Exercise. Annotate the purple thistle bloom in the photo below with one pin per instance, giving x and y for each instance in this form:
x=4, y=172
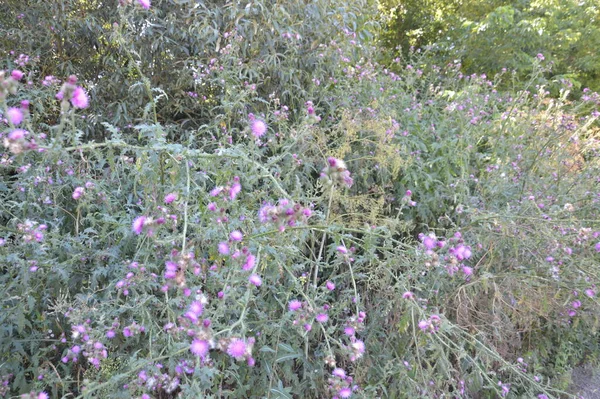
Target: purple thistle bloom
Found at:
x=236, y=349
x=255, y=279
x=80, y=98
x=42, y=395
x=258, y=128
x=199, y=347
x=14, y=116
x=170, y=198
x=345, y=392
x=322, y=318
x=250, y=262
x=235, y=190
x=16, y=74
x=138, y=225
x=224, y=248
x=145, y=4
x=294, y=305
x=338, y=372
x=196, y=308
x=236, y=235
x=330, y=286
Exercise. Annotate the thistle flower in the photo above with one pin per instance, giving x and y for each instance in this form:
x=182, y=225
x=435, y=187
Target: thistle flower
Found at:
x=236, y=349
x=80, y=98
x=200, y=347
x=258, y=128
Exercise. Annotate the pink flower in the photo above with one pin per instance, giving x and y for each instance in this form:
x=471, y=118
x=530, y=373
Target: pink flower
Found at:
x=145, y=4
x=138, y=225
x=77, y=193
x=294, y=305
x=199, y=347
x=223, y=248
x=42, y=395
x=408, y=295
x=255, y=279
x=330, y=286
x=170, y=198
x=338, y=372
x=235, y=190
x=80, y=98
x=17, y=75
x=17, y=134
x=590, y=292
x=258, y=128
x=14, y=116
x=236, y=349
x=597, y=247
x=342, y=249
x=467, y=270
x=250, y=262
x=196, y=308
x=345, y=392
x=236, y=235
x=322, y=318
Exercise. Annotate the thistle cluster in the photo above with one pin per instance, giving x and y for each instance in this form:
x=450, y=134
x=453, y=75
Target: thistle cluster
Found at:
x=430, y=325
x=336, y=173
x=32, y=231
x=340, y=384
x=17, y=141
x=9, y=83
x=285, y=214
x=73, y=93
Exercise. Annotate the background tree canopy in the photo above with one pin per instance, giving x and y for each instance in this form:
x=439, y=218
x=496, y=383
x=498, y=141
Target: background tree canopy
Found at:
x=487, y=36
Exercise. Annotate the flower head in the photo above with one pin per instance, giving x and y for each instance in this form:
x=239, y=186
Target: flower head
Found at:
x=145, y=4
x=14, y=116
x=199, y=347
x=138, y=225
x=236, y=349
x=80, y=98
x=258, y=128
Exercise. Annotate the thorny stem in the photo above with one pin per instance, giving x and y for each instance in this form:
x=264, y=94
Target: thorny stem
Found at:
x=324, y=237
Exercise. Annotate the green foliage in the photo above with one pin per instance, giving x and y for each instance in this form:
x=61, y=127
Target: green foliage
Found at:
x=489, y=37
x=416, y=233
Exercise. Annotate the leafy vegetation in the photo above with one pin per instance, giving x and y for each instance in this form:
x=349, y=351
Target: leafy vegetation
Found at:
x=231, y=200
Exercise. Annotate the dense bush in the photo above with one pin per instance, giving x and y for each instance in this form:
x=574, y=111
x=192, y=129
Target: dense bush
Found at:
x=236, y=201
x=488, y=37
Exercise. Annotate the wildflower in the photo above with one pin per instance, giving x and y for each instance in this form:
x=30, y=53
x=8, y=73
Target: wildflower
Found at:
x=138, y=225
x=255, y=279
x=250, y=262
x=16, y=74
x=169, y=198
x=235, y=190
x=597, y=247
x=294, y=305
x=590, y=292
x=330, y=286
x=80, y=98
x=145, y=4
x=42, y=395
x=345, y=392
x=322, y=318
x=258, y=128
x=236, y=235
x=14, y=116
x=78, y=193
x=338, y=372
x=199, y=347
x=236, y=349
x=408, y=295
x=342, y=249
x=223, y=248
